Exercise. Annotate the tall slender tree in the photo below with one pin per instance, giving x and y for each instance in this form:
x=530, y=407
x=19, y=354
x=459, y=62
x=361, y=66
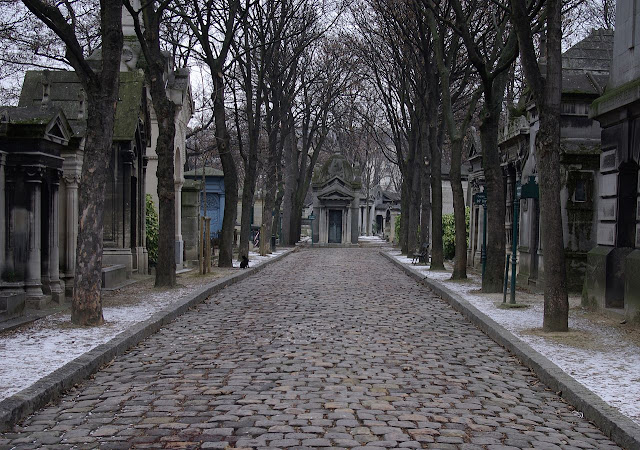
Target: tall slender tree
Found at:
x=147, y=21
x=547, y=91
x=492, y=47
x=448, y=58
x=100, y=83
x=214, y=24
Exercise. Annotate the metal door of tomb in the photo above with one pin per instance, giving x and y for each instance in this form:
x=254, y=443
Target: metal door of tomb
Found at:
x=335, y=226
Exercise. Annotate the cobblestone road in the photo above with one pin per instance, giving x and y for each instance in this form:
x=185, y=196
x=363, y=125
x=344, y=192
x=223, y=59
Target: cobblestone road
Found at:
x=327, y=348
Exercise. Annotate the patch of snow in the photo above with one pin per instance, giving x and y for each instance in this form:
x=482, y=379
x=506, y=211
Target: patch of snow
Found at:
x=255, y=259
x=612, y=373
x=371, y=238
x=50, y=343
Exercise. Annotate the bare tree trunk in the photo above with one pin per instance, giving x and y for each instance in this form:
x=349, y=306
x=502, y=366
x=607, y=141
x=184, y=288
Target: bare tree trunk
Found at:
x=291, y=207
x=496, y=209
x=86, y=308
x=425, y=218
x=547, y=93
x=415, y=198
x=556, y=303
x=404, y=215
x=165, y=110
x=288, y=201
x=270, y=182
x=248, y=194
x=460, y=263
x=225, y=257
x=269, y=206
x=437, y=252
x=102, y=94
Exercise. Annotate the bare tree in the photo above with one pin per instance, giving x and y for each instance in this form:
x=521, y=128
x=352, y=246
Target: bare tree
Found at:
x=101, y=87
x=492, y=47
x=214, y=24
x=547, y=91
x=449, y=59
x=148, y=31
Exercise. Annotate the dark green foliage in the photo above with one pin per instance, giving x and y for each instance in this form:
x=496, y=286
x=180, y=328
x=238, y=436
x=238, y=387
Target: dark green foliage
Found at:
x=152, y=230
x=449, y=234
x=397, y=227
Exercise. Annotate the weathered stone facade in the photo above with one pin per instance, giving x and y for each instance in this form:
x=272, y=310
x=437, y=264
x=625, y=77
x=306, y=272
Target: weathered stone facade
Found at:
x=613, y=266
x=31, y=140
x=585, y=70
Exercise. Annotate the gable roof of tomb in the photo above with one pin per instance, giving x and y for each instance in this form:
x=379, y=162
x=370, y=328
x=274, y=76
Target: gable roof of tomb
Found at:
x=47, y=123
x=208, y=172
x=585, y=66
x=66, y=93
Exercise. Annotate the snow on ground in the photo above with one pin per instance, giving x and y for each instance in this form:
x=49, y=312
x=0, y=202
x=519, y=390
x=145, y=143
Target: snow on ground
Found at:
x=605, y=367
x=371, y=238
x=255, y=259
x=49, y=343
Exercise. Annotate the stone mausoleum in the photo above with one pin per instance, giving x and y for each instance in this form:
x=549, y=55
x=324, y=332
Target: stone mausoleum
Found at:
x=336, y=203
x=613, y=266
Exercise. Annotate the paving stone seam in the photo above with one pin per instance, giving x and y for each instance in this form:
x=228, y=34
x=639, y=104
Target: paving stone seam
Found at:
x=618, y=427
x=51, y=387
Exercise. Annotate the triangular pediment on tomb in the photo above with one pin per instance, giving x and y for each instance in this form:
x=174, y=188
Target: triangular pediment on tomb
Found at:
x=335, y=189
x=335, y=196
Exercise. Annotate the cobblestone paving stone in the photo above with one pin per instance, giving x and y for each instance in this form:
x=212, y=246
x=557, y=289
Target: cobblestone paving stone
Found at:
x=327, y=348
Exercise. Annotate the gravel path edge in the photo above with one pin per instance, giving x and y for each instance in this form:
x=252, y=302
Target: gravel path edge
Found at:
x=49, y=388
x=618, y=427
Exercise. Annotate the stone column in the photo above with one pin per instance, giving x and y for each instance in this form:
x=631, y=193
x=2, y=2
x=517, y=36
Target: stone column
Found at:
x=141, y=249
x=57, y=291
x=126, y=198
x=346, y=226
x=315, y=225
x=70, y=232
x=33, y=281
x=178, y=221
x=355, y=231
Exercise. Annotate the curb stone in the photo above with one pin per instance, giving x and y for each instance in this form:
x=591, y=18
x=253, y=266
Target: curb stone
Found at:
x=618, y=427
x=52, y=386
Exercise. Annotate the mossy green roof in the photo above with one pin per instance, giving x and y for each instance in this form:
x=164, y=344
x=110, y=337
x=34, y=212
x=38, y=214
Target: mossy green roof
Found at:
x=65, y=92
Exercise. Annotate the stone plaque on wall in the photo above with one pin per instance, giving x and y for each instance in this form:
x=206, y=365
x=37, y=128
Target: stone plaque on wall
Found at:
x=608, y=161
x=606, y=233
x=607, y=209
x=609, y=185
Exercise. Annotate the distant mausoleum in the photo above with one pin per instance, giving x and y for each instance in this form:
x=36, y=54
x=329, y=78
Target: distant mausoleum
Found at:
x=336, y=203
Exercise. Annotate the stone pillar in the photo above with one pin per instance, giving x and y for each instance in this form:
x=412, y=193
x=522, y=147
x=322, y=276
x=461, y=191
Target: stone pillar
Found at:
x=33, y=281
x=178, y=221
x=126, y=198
x=141, y=251
x=57, y=291
x=70, y=232
x=355, y=232
x=346, y=226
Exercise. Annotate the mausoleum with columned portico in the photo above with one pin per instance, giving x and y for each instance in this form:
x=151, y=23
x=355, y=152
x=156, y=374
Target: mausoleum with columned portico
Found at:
x=336, y=202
